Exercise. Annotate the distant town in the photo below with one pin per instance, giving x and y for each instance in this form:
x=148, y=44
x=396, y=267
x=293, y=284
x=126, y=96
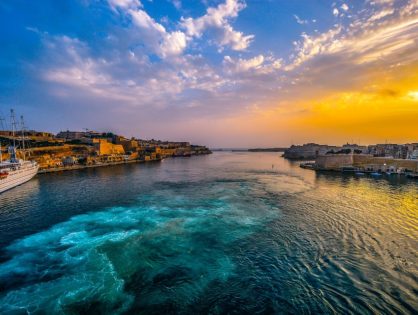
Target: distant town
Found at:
x=312, y=150
x=69, y=150
x=375, y=159
x=80, y=149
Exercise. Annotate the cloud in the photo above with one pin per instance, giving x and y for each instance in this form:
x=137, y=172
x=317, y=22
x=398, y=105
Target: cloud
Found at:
x=242, y=65
x=173, y=44
x=217, y=18
x=124, y=4
x=214, y=17
x=236, y=40
x=299, y=20
x=143, y=20
x=310, y=46
x=133, y=81
x=32, y=29
x=364, y=40
x=335, y=12
x=165, y=44
x=147, y=72
x=259, y=64
x=177, y=4
x=75, y=68
x=381, y=14
x=381, y=2
x=181, y=78
x=154, y=34
x=344, y=7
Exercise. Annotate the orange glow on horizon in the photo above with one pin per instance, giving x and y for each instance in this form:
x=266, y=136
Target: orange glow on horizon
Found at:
x=385, y=109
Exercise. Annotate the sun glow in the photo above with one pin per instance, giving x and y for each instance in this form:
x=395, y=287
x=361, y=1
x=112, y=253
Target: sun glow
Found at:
x=413, y=95
x=385, y=108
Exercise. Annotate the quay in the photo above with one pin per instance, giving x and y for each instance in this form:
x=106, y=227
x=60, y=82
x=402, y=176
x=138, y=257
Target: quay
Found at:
x=74, y=150
x=79, y=167
x=377, y=159
x=363, y=164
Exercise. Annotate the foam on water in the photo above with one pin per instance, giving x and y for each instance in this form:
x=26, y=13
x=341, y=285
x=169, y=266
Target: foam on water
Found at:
x=165, y=249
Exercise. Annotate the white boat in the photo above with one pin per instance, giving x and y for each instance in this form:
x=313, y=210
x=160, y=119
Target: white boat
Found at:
x=14, y=171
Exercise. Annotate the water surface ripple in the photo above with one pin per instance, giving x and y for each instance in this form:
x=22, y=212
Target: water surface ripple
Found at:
x=229, y=233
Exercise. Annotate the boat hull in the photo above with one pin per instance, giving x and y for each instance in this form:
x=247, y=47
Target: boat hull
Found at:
x=19, y=176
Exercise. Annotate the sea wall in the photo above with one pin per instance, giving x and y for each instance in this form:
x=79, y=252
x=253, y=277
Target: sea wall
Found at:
x=333, y=161
x=363, y=161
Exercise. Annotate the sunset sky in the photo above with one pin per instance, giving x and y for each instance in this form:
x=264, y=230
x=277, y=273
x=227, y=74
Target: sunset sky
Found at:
x=227, y=73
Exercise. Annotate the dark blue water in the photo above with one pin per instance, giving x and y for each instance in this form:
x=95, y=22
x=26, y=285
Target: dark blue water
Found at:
x=220, y=234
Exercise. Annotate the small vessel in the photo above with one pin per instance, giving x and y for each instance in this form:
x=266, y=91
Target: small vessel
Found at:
x=348, y=169
x=14, y=171
x=308, y=165
x=376, y=174
x=412, y=175
x=360, y=174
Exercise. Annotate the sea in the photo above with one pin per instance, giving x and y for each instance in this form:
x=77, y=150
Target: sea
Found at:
x=226, y=233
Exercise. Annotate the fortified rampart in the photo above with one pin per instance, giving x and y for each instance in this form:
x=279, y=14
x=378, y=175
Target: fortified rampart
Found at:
x=334, y=161
x=368, y=161
x=364, y=161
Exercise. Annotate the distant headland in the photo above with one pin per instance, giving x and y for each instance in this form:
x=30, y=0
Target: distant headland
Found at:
x=69, y=150
x=251, y=150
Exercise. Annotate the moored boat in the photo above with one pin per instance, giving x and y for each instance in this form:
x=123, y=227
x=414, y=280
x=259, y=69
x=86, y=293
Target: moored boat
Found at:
x=14, y=172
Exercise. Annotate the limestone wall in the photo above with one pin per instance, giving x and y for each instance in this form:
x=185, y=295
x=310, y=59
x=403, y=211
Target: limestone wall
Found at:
x=365, y=160
x=334, y=161
x=107, y=148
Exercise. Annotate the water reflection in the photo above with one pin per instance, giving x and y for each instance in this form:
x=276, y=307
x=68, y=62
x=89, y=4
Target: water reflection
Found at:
x=21, y=193
x=231, y=232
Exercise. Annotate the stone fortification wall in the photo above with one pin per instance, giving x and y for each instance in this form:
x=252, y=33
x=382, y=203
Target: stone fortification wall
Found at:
x=334, y=161
x=361, y=160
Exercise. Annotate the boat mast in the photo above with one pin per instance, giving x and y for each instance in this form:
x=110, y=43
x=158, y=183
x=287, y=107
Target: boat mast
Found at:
x=12, y=149
x=22, y=125
x=12, y=118
x=2, y=120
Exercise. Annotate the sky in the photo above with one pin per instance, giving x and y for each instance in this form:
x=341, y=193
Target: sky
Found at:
x=224, y=73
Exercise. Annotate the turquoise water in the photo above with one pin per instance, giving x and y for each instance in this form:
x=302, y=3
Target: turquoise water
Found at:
x=236, y=233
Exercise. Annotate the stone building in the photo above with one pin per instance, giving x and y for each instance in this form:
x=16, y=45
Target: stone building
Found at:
x=103, y=147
